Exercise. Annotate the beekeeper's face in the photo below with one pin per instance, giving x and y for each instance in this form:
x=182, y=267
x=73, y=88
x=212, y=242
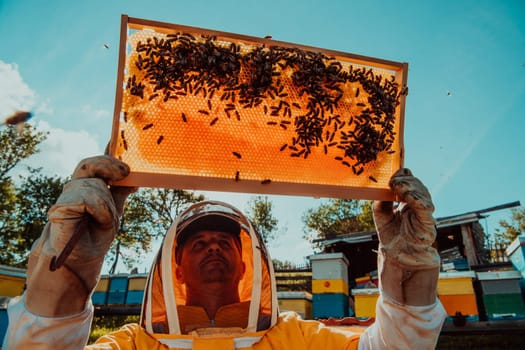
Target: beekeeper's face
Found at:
x=210, y=258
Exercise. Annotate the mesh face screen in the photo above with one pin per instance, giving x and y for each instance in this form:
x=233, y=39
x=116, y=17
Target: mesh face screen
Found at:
x=199, y=109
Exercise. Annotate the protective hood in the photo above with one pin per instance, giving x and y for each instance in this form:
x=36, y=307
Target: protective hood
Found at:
x=163, y=308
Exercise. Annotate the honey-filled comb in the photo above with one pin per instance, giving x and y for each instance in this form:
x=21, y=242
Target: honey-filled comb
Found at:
x=209, y=110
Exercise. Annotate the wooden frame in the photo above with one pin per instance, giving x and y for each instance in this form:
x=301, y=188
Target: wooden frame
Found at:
x=244, y=148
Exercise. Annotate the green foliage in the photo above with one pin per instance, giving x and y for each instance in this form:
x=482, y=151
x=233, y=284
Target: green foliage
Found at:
x=261, y=216
x=17, y=146
x=22, y=208
x=283, y=264
x=512, y=228
x=34, y=196
x=7, y=221
x=24, y=205
x=148, y=214
x=337, y=216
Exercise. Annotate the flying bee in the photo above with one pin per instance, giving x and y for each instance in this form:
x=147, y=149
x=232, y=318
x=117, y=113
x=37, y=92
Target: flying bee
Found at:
x=18, y=119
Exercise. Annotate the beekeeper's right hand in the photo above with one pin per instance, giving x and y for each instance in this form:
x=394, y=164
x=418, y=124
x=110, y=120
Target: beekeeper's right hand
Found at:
x=91, y=208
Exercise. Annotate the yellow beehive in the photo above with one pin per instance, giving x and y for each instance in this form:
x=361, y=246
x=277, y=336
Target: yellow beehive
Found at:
x=456, y=292
x=202, y=109
x=102, y=285
x=300, y=302
x=365, y=301
x=12, y=281
x=137, y=282
x=329, y=286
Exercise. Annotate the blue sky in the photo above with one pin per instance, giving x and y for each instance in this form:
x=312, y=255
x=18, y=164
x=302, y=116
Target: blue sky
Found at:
x=466, y=146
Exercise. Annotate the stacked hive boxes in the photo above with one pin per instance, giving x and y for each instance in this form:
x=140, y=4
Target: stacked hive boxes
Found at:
x=456, y=292
x=300, y=302
x=136, y=285
x=100, y=294
x=502, y=294
x=329, y=285
x=118, y=286
x=365, y=301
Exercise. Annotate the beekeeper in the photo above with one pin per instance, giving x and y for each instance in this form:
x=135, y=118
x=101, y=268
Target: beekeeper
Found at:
x=212, y=284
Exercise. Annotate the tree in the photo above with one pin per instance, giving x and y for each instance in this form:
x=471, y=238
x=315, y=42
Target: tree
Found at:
x=337, y=216
x=35, y=195
x=512, y=228
x=283, y=264
x=261, y=216
x=7, y=222
x=16, y=145
x=148, y=214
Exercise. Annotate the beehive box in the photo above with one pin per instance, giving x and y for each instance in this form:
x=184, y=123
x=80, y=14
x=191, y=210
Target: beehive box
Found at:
x=502, y=295
x=136, y=286
x=329, y=305
x=300, y=302
x=100, y=295
x=12, y=281
x=4, y=322
x=118, y=288
x=208, y=110
x=456, y=293
x=329, y=266
x=516, y=253
x=365, y=300
x=329, y=286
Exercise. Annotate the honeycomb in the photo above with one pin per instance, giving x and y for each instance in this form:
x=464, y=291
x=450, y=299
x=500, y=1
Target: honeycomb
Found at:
x=200, y=109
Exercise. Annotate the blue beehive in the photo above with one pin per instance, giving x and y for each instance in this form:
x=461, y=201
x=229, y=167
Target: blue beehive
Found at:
x=118, y=287
x=136, y=286
x=516, y=253
x=329, y=285
x=3, y=323
x=330, y=305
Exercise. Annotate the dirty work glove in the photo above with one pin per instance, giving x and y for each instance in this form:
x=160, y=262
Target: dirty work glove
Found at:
x=408, y=264
x=89, y=210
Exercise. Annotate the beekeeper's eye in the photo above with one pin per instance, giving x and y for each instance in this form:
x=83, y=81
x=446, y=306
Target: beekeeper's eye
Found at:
x=198, y=245
x=225, y=244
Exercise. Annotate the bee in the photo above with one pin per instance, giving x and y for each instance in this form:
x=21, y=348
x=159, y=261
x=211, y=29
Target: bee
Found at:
x=237, y=154
x=159, y=140
x=266, y=182
x=18, y=119
x=147, y=126
x=124, y=142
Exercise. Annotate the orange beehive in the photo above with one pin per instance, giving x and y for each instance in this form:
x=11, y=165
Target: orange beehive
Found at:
x=201, y=109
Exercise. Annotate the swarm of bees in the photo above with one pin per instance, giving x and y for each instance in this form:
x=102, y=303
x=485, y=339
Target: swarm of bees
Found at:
x=166, y=65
